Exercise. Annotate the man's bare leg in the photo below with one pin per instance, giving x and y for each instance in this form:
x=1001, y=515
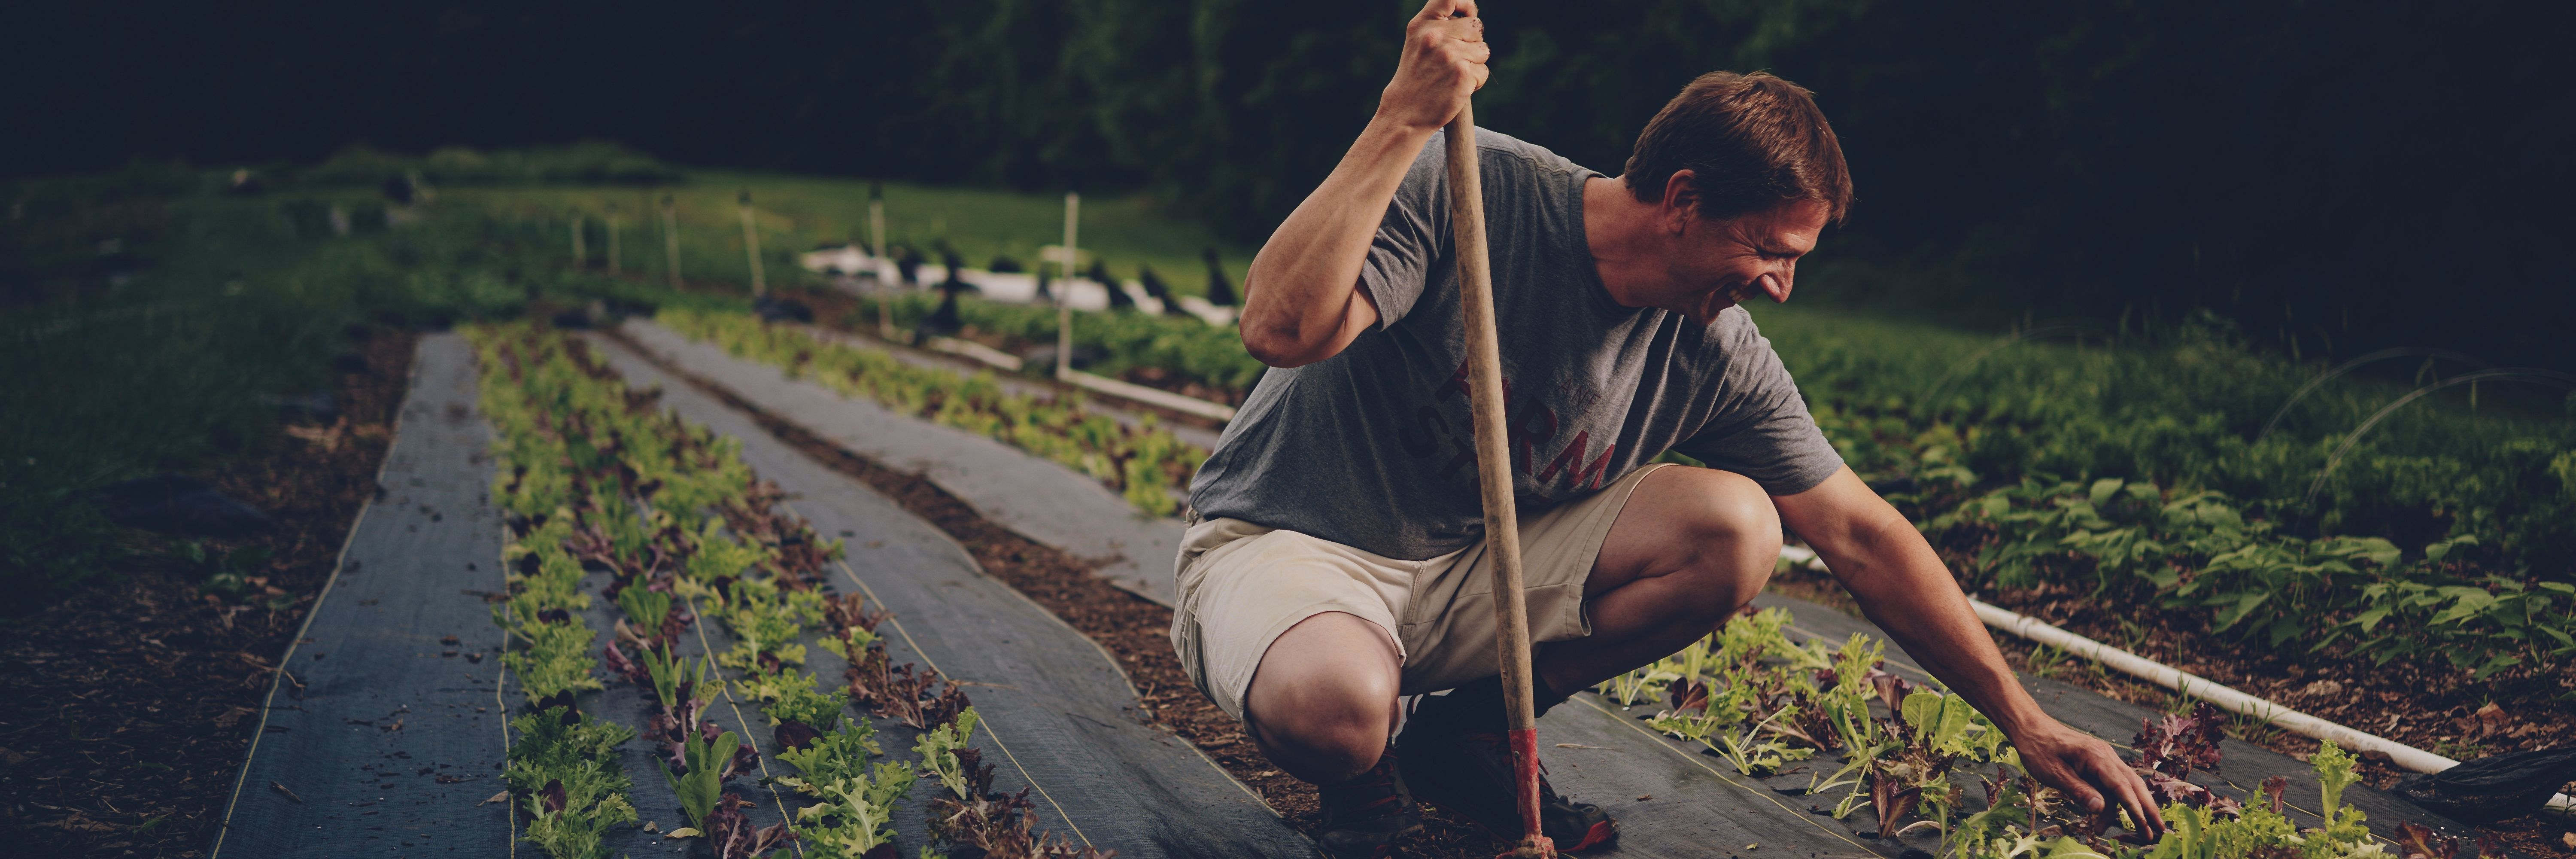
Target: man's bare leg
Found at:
x=1689, y=549
x=1322, y=702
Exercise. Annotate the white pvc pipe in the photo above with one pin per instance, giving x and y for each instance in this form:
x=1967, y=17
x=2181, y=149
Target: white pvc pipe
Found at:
x=2188, y=685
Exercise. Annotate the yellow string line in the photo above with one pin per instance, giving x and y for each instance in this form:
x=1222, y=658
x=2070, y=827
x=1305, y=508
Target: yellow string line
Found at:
x=871, y=593
x=501, y=704
x=1695, y=761
x=279, y=672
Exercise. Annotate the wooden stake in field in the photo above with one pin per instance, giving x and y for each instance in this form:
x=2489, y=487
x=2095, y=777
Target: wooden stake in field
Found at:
x=580, y=252
x=1064, y=297
x=877, y=251
x=1494, y=473
x=612, y=238
x=671, y=236
x=751, y=245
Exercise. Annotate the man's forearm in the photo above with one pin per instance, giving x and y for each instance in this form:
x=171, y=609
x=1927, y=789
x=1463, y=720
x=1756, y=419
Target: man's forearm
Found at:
x=1903, y=587
x=1299, y=290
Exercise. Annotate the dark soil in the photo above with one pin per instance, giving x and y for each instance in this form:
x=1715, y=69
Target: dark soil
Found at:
x=1135, y=630
x=2433, y=707
x=127, y=707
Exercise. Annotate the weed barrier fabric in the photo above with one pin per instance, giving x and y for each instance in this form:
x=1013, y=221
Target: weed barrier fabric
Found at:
x=379, y=737
x=1037, y=498
x=1058, y=714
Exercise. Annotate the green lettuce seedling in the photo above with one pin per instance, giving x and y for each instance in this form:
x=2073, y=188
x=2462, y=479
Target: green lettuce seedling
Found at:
x=703, y=784
x=938, y=748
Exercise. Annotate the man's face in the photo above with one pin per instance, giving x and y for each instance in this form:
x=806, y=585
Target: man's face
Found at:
x=1713, y=265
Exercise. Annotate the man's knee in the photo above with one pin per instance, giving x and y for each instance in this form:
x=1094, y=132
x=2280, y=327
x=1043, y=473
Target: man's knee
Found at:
x=1729, y=517
x=1320, y=706
x=1715, y=530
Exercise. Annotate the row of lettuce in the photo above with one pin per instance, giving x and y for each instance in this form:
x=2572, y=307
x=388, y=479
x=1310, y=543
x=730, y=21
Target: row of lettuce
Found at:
x=596, y=479
x=1910, y=756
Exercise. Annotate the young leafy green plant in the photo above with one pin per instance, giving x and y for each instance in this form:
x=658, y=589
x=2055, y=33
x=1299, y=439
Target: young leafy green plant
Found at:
x=566, y=820
x=833, y=755
x=645, y=608
x=556, y=660
x=804, y=705
x=566, y=772
x=938, y=748
x=702, y=783
x=678, y=680
x=857, y=813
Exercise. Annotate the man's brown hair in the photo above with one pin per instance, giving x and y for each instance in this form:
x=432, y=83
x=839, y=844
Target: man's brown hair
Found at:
x=1751, y=142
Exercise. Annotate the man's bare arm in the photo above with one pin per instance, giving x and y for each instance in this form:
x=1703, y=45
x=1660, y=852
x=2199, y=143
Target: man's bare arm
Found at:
x=1903, y=587
x=1302, y=299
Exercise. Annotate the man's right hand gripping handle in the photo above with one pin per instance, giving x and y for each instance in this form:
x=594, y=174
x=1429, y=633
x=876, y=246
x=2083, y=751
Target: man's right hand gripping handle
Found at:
x=1302, y=302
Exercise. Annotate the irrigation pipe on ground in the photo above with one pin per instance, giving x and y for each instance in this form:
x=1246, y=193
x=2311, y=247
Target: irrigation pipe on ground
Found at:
x=2231, y=700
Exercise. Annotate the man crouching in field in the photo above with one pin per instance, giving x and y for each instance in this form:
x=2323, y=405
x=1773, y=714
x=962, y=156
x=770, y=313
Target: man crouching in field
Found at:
x=1334, y=560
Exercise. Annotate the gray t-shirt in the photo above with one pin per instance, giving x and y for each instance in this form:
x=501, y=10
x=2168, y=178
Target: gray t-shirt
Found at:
x=1372, y=447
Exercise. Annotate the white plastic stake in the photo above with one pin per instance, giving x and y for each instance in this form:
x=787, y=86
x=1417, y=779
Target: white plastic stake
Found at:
x=671, y=236
x=1064, y=296
x=877, y=251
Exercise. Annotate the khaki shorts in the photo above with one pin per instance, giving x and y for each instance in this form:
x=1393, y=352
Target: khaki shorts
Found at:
x=1243, y=585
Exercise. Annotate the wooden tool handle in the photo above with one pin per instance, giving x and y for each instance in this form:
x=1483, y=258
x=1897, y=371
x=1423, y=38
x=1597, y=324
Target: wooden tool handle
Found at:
x=1494, y=465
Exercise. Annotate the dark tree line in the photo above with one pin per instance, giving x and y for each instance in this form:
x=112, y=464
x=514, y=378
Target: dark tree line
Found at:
x=2332, y=176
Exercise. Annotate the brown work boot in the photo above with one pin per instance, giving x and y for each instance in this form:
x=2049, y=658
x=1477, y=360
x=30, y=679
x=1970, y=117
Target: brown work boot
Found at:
x=1459, y=757
x=1364, y=816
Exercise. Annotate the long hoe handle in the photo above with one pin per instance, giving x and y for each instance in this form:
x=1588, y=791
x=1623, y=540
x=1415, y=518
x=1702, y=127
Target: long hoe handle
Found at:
x=1494, y=473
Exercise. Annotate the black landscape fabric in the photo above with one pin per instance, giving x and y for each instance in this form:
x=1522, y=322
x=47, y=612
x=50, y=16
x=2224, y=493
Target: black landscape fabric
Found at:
x=383, y=734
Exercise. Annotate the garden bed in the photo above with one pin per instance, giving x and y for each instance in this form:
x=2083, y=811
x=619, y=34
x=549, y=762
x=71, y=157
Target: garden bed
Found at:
x=1059, y=713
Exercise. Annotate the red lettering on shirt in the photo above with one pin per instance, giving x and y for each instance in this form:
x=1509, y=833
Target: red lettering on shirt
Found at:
x=1571, y=459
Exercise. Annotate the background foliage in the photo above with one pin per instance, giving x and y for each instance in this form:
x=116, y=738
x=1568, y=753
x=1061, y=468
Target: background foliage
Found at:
x=2336, y=177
